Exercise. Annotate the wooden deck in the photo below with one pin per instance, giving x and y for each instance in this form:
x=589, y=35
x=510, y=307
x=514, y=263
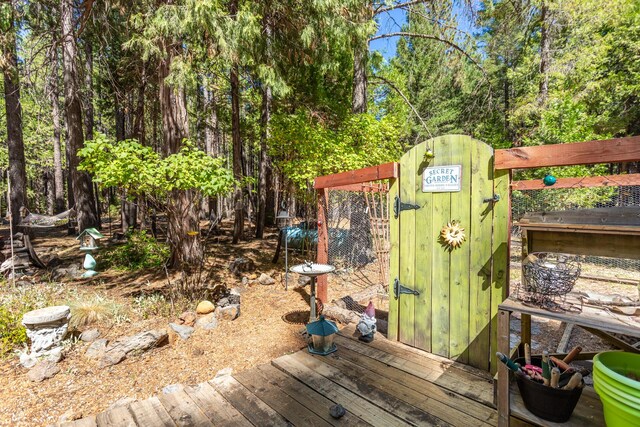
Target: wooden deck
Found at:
x=380, y=384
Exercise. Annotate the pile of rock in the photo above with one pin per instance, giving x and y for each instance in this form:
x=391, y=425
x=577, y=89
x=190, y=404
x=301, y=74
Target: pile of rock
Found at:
x=20, y=262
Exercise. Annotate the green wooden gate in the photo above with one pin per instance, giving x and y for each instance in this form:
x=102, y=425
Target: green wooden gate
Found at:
x=445, y=300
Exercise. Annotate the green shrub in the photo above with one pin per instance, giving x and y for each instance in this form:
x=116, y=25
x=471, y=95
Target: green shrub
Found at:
x=152, y=305
x=140, y=251
x=12, y=333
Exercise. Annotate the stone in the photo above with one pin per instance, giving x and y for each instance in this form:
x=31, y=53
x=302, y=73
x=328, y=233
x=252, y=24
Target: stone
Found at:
x=123, y=401
x=188, y=318
x=253, y=276
x=90, y=335
x=96, y=349
x=173, y=336
x=112, y=357
x=172, y=388
x=55, y=355
x=205, y=307
x=234, y=296
x=68, y=416
x=117, y=351
x=230, y=312
x=223, y=302
x=28, y=360
x=245, y=281
x=223, y=373
x=241, y=265
x=197, y=352
x=207, y=322
x=182, y=330
x=337, y=411
x=265, y=279
x=43, y=370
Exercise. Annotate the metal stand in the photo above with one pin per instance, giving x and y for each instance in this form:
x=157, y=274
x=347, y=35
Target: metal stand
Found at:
x=286, y=257
x=312, y=300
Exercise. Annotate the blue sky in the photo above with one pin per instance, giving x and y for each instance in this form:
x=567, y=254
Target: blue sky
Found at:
x=393, y=21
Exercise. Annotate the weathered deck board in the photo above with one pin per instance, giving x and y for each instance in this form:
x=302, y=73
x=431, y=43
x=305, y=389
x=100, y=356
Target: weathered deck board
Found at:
x=216, y=407
x=150, y=412
x=183, y=410
x=450, y=407
x=254, y=409
x=352, y=402
x=370, y=391
x=380, y=384
x=308, y=397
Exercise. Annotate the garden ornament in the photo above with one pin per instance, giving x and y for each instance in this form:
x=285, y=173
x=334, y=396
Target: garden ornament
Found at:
x=367, y=324
x=452, y=235
x=549, y=180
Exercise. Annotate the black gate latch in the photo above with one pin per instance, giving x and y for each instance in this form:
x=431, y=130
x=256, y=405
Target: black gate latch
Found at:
x=399, y=206
x=398, y=289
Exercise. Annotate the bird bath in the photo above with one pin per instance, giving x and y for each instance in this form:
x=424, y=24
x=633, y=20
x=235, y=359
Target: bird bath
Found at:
x=312, y=270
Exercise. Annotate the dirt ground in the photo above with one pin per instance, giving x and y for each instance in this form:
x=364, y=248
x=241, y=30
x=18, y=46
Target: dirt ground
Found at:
x=260, y=334
x=257, y=336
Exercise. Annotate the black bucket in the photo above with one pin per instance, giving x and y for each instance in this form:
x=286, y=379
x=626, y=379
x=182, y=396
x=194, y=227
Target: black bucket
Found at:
x=551, y=404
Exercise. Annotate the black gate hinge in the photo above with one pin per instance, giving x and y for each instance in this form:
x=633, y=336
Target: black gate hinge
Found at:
x=399, y=206
x=399, y=288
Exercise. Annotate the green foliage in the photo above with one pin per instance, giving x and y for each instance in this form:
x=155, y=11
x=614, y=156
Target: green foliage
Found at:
x=14, y=303
x=141, y=171
x=140, y=251
x=304, y=147
x=152, y=305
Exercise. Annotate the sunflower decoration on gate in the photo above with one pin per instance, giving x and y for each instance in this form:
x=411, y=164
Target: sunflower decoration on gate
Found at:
x=452, y=235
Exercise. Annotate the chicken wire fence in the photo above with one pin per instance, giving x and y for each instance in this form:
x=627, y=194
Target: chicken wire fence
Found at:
x=358, y=231
x=561, y=199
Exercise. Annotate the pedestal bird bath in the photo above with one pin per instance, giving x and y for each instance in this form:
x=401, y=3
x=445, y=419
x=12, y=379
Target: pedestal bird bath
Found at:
x=312, y=270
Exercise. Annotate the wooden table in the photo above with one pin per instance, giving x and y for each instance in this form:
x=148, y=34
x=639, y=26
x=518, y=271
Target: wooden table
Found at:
x=590, y=318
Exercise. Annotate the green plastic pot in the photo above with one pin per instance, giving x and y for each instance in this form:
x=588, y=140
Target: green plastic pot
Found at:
x=620, y=395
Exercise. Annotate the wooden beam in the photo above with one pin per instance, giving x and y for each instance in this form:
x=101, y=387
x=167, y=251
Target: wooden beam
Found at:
x=580, y=182
x=364, y=187
x=373, y=173
x=323, y=242
x=580, y=153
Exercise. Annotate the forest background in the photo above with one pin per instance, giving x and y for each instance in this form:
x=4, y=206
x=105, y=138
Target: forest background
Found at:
x=206, y=108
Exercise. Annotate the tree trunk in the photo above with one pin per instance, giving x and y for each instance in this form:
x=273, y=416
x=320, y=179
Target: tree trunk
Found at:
x=359, y=97
x=211, y=139
x=52, y=91
x=88, y=88
x=82, y=186
x=238, y=223
x=545, y=53
x=182, y=210
x=15, y=142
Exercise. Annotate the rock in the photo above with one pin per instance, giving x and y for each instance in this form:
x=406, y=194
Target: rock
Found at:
x=96, y=349
x=241, y=265
x=205, y=307
x=123, y=401
x=230, y=312
x=55, y=355
x=197, y=352
x=223, y=302
x=337, y=411
x=173, y=336
x=253, y=276
x=188, y=318
x=207, y=322
x=245, y=281
x=46, y=315
x=43, y=370
x=234, y=296
x=112, y=357
x=265, y=279
x=119, y=349
x=70, y=415
x=90, y=335
x=28, y=360
x=182, y=330
x=172, y=388
x=222, y=373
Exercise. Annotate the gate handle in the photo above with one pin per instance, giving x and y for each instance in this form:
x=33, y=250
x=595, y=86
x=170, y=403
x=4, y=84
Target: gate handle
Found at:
x=494, y=199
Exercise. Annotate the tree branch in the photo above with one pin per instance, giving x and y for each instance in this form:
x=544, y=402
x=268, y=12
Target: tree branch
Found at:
x=398, y=6
x=432, y=37
x=406, y=100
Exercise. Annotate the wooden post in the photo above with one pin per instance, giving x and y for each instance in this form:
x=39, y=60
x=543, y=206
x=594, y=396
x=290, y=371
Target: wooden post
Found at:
x=323, y=242
x=503, y=372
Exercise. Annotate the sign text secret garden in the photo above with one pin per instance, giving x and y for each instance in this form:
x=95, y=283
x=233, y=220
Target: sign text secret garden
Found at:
x=440, y=179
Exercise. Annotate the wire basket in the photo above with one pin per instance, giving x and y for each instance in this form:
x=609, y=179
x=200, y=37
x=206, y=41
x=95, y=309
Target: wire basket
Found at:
x=549, y=274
